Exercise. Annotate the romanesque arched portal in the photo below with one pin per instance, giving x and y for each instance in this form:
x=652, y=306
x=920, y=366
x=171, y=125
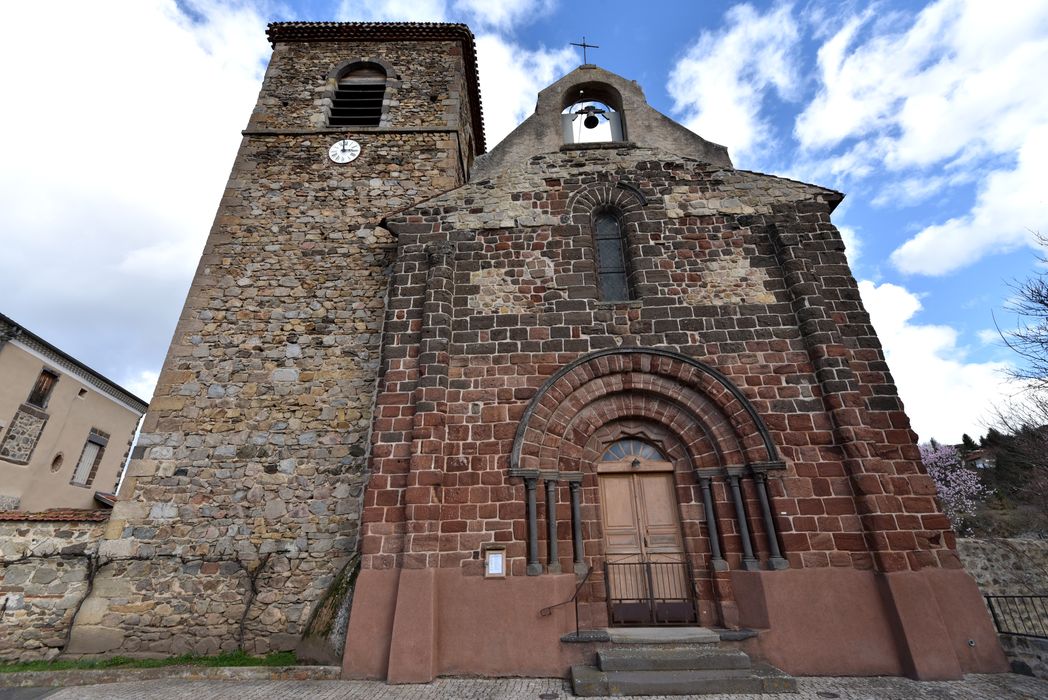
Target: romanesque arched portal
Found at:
x=715, y=453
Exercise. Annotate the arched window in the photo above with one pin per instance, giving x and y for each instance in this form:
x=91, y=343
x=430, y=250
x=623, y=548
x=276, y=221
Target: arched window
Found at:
x=611, y=257
x=358, y=96
x=632, y=448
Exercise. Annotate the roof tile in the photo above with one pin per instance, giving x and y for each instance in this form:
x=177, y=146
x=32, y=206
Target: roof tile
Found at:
x=56, y=515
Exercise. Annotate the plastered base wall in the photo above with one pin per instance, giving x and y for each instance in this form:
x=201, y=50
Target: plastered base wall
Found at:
x=409, y=626
x=817, y=622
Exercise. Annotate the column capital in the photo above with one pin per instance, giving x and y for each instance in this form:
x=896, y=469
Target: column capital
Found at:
x=735, y=472
x=763, y=468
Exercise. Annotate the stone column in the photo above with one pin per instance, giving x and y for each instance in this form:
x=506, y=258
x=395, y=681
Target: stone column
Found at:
x=775, y=558
x=749, y=562
x=552, y=562
x=576, y=528
x=534, y=567
x=717, y=562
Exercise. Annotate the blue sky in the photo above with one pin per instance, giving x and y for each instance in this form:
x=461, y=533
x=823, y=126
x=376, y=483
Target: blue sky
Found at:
x=930, y=116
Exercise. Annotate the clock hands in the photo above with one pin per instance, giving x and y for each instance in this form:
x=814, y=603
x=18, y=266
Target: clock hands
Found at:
x=344, y=150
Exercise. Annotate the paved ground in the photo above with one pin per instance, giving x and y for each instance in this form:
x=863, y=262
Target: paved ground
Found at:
x=982, y=687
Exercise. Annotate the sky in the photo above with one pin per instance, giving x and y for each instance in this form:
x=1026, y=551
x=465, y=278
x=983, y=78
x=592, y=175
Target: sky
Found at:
x=123, y=118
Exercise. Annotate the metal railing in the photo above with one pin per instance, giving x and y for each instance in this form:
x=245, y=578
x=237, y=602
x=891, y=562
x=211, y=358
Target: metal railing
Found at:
x=649, y=592
x=1019, y=615
x=547, y=611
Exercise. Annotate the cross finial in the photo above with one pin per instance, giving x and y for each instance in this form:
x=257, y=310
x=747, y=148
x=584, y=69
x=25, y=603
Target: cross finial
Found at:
x=585, y=46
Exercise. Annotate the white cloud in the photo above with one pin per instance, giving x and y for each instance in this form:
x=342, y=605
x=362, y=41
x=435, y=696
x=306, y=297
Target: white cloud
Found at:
x=940, y=100
x=510, y=78
x=945, y=395
x=852, y=243
x=988, y=336
x=503, y=16
x=483, y=15
x=141, y=384
x=393, y=10
x=913, y=190
x=1011, y=206
x=964, y=77
x=104, y=217
x=720, y=83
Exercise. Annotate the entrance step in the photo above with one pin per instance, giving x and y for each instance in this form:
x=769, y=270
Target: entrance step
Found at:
x=591, y=682
x=687, y=658
x=663, y=635
x=675, y=661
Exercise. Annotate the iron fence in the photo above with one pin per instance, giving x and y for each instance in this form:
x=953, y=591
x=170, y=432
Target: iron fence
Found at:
x=649, y=592
x=1020, y=615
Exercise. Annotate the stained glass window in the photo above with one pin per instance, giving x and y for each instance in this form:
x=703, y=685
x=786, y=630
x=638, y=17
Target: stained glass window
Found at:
x=632, y=448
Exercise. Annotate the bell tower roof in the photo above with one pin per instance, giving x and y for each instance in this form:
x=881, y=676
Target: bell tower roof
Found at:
x=635, y=122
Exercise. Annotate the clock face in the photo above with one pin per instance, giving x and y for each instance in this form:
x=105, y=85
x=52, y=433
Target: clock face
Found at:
x=344, y=151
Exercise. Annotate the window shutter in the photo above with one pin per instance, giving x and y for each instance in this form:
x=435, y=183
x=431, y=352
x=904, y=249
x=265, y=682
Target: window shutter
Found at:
x=87, y=460
x=358, y=98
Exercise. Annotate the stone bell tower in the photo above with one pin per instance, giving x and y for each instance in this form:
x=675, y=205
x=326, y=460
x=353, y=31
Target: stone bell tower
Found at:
x=238, y=522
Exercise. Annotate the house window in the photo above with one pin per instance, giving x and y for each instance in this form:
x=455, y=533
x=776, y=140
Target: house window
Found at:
x=90, y=458
x=611, y=258
x=42, y=389
x=358, y=97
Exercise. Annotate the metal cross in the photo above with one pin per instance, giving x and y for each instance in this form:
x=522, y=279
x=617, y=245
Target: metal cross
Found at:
x=585, y=46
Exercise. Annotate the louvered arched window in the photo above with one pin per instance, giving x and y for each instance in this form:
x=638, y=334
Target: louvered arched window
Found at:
x=358, y=96
x=612, y=269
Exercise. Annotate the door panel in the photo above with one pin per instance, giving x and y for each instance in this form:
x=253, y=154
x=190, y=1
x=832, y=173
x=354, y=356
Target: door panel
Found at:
x=647, y=576
x=657, y=501
x=621, y=526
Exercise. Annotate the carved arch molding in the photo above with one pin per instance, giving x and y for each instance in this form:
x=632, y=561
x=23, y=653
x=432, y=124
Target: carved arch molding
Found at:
x=706, y=418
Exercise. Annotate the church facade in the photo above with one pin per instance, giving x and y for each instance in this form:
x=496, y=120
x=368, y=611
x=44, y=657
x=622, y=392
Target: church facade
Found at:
x=440, y=393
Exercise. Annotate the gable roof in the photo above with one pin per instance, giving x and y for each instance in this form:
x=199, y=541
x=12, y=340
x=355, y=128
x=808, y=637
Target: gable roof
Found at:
x=9, y=330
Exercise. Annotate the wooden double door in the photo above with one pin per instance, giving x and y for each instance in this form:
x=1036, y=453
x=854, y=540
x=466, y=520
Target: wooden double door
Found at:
x=647, y=576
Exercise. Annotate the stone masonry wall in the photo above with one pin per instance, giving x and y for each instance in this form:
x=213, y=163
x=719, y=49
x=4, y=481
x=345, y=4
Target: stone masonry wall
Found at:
x=243, y=509
x=45, y=569
x=495, y=290
x=1012, y=567
x=1006, y=566
x=22, y=435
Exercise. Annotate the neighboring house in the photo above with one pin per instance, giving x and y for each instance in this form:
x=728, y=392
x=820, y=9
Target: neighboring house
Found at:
x=65, y=430
x=980, y=459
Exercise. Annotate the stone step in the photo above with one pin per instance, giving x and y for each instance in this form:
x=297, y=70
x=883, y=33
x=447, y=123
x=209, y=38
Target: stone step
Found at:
x=588, y=681
x=675, y=658
x=663, y=635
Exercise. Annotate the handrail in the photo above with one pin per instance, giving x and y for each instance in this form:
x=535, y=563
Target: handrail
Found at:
x=548, y=610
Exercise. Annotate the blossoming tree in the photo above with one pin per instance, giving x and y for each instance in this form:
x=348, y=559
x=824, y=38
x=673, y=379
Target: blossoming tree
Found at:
x=959, y=487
